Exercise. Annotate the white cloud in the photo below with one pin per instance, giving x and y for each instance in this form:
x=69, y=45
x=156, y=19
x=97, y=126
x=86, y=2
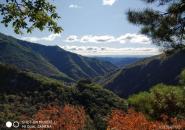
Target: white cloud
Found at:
x=123, y=39
x=97, y=39
x=108, y=2
x=103, y=51
x=133, y=38
x=49, y=38
x=74, y=6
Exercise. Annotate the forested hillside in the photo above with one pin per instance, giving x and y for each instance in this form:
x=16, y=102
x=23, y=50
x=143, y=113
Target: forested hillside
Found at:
x=48, y=88
x=51, y=61
x=142, y=75
x=23, y=94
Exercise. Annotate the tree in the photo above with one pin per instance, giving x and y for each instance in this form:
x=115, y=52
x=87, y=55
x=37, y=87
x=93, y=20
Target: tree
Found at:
x=133, y=120
x=165, y=28
x=28, y=15
x=67, y=118
x=161, y=99
x=182, y=78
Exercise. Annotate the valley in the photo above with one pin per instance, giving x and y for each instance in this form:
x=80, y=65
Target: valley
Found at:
x=34, y=78
x=92, y=65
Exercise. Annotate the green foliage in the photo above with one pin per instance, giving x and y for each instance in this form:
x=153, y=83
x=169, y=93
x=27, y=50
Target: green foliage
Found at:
x=99, y=101
x=161, y=99
x=141, y=102
x=182, y=77
x=29, y=14
x=23, y=93
x=165, y=28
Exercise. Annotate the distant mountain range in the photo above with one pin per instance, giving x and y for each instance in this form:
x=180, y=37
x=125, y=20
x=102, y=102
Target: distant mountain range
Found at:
x=32, y=75
x=142, y=75
x=120, y=61
x=51, y=61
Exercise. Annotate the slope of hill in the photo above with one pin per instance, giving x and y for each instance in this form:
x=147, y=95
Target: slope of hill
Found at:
x=74, y=65
x=51, y=61
x=146, y=73
x=25, y=59
x=24, y=93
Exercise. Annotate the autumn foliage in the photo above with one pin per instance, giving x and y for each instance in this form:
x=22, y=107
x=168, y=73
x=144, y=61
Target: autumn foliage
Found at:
x=119, y=120
x=67, y=118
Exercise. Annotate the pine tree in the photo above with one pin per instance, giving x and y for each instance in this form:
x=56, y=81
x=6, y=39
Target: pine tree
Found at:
x=166, y=29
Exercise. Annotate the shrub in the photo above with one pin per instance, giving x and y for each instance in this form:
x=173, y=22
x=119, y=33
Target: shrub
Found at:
x=119, y=120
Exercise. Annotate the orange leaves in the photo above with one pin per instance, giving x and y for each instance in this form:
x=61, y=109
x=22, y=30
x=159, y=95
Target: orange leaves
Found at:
x=73, y=118
x=67, y=118
x=180, y=124
x=132, y=120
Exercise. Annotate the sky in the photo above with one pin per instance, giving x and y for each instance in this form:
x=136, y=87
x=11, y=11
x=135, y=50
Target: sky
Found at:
x=95, y=28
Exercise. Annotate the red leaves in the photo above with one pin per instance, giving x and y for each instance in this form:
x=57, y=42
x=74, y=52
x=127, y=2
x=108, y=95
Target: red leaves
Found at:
x=132, y=120
x=73, y=118
x=67, y=118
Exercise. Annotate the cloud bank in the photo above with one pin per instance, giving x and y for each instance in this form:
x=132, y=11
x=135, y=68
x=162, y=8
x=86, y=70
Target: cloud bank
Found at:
x=104, y=51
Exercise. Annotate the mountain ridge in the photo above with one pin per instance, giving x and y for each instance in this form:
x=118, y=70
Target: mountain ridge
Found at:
x=144, y=74
x=51, y=61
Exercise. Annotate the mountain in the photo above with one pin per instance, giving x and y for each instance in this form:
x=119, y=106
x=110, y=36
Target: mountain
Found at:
x=51, y=61
x=142, y=75
x=12, y=52
x=120, y=61
x=23, y=94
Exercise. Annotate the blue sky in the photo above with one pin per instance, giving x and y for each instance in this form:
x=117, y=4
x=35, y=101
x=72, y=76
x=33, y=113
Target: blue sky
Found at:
x=94, y=27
